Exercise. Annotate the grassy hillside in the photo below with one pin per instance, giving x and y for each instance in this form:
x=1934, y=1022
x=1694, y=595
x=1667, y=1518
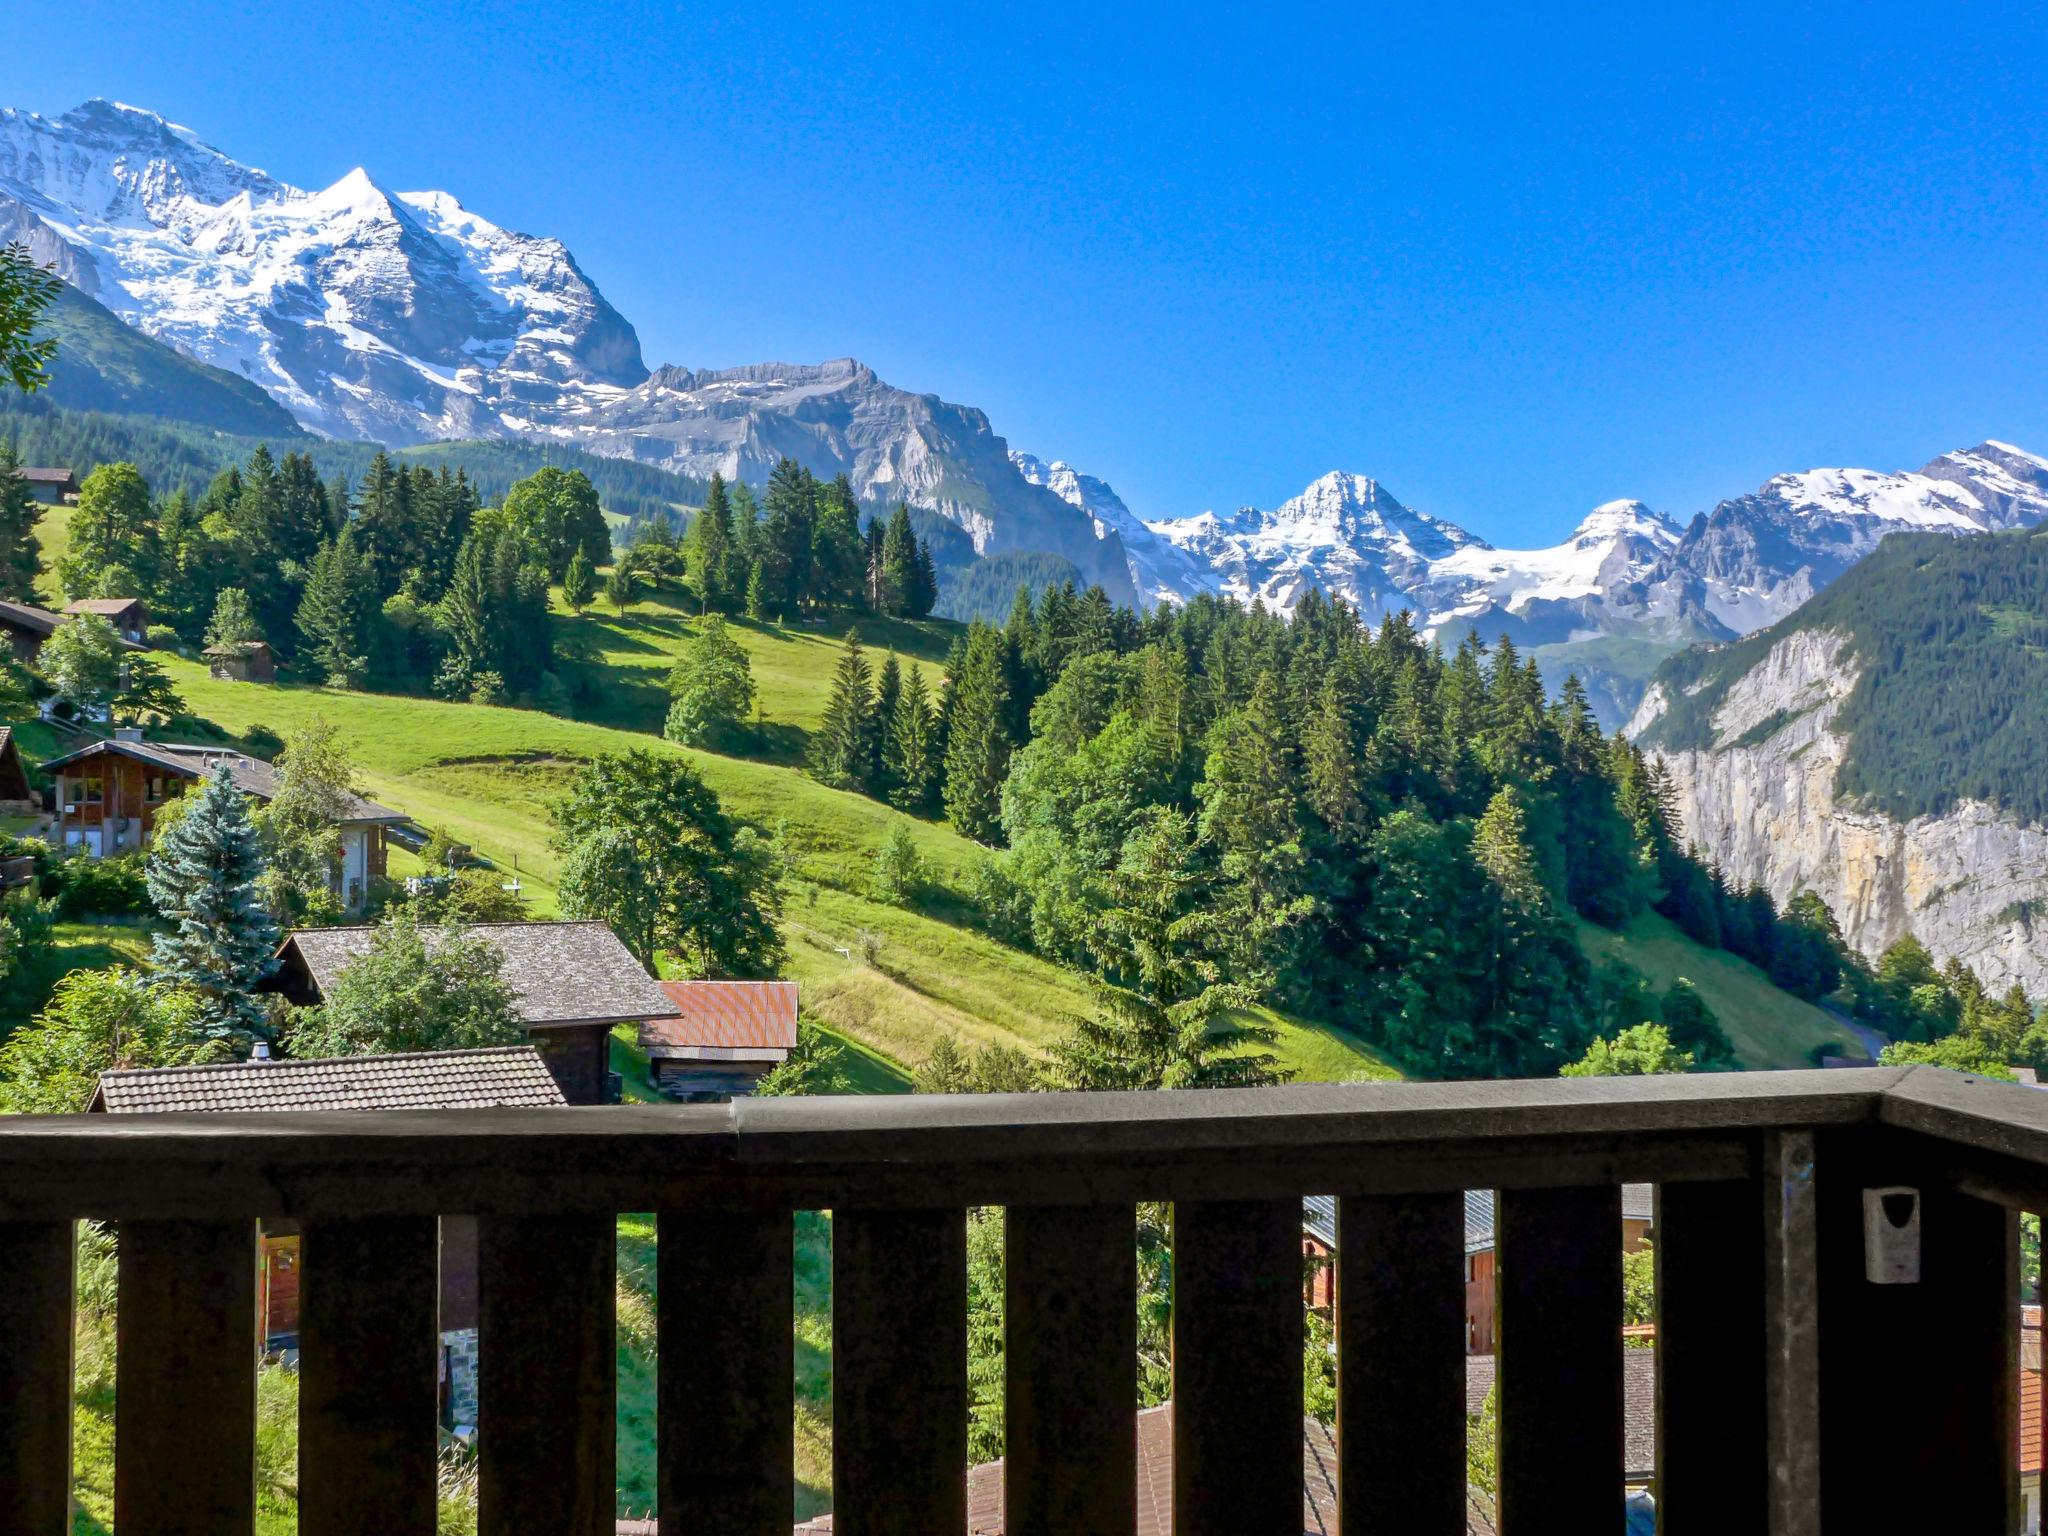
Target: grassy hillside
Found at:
x=1768, y=1027
x=888, y=978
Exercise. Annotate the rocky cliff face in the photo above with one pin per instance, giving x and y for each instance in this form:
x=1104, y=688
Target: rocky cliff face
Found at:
x=1762, y=801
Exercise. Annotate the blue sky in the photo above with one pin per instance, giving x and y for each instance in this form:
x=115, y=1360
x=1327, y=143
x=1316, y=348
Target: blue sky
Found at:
x=1513, y=261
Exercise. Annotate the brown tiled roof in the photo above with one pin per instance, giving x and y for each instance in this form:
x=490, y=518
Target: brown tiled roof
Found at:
x=44, y=475
x=985, y=1515
x=1638, y=1403
x=509, y=1076
x=737, y=1015
x=105, y=606
x=561, y=973
x=251, y=775
x=28, y=616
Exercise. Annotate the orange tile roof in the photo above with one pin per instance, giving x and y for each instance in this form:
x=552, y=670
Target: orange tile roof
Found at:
x=726, y=1015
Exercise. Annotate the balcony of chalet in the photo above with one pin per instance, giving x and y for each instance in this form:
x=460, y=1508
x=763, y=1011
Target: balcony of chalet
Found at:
x=1817, y=1369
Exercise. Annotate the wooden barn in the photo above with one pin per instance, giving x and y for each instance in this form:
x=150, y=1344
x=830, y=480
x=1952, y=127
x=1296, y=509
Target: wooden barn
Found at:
x=724, y=1038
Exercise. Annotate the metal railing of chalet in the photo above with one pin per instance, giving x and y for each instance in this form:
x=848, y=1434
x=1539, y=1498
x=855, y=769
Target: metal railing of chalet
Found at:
x=1795, y=1397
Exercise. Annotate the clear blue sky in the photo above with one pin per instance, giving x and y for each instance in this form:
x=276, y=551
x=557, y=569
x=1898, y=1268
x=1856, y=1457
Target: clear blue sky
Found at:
x=1511, y=260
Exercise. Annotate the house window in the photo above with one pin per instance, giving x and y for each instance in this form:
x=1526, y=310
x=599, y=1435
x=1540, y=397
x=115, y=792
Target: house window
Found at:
x=90, y=789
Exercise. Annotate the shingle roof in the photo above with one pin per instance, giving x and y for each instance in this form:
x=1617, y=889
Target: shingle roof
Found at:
x=101, y=605
x=511, y=1076
x=726, y=1015
x=1638, y=1404
x=45, y=476
x=29, y=617
x=251, y=775
x=561, y=973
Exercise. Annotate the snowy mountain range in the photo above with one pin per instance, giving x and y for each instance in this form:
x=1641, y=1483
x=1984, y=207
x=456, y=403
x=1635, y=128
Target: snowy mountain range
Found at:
x=404, y=317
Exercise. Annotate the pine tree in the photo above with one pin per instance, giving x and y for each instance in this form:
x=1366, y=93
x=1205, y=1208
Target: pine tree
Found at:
x=21, y=557
x=579, y=582
x=843, y=749
x=888, y=694
x=785, y=541
x=232, y=622
x=708, y=549
x=924, y=595
x=333, y=615
x=910, y=762
x=757, y=594
x=622, y=586
x=977, y=736
x=898, y=578
x=203, y=877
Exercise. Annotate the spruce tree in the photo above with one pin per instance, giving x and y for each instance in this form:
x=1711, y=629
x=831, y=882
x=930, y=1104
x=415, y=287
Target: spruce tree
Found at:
x=909, y=747
x=888, y=694
x=232, y=622
x=579, y=582
x=333, y=615
x=898, y=581
x=757, y=594
x=924, y=596
x=20, y=555
x=978, y=738
x=707, y=551
x=843, y=750
x=203, y=876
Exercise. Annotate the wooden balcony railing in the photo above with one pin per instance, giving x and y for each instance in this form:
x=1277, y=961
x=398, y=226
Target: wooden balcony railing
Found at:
x=1796, y=1397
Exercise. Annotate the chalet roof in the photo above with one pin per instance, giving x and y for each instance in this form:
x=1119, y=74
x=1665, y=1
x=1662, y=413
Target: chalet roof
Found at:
x=236, y=648
x=47, y=475
x=251, y=775
x=986, y=1514
x=37, y=621
x=1319, y=1215
x=560, y=973
x=507, y=1076
x=105, y=606
x=726, y=1014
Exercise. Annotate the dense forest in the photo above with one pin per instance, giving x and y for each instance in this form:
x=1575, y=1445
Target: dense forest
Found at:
x=1950, y=639
x=1210, y=808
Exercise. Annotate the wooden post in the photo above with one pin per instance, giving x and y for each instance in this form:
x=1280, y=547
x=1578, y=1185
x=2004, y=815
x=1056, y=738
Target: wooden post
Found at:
x=1713, y=1465
x=38, y=1272
x=185, y=1413
x=1561, y=1429
x=1070, y=1370
x=899, y=1372
x=1401, y=1365
x=1237, y=1325
x=726, y=1420
x=368, y=1376
x=546, y=1376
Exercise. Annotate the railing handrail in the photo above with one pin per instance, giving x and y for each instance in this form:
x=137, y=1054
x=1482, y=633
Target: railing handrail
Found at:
x=1313, y=1138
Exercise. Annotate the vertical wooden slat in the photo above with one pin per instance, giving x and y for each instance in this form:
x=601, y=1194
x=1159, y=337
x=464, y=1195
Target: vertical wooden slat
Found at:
x=1791, y=1333
x=1070, y=1364
x=185, y=1402
x=726, y=1420
x=1237, y=1405
x=1401, y=1365
x=1561, y=1426
x=1712, y=1464
x=899, y=1372
x=368, y=1388
x=1927, y=1370
x=546, y=1376
x=38, y=1273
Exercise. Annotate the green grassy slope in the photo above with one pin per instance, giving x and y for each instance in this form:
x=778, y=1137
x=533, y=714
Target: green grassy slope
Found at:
x=489, y=775
x=1767, y=1026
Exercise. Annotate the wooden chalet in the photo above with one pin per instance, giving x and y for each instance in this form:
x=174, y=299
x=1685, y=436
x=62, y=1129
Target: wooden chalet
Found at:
x=108, y=794
x=51, y=486
x=17, y=798
x=26, y=627
x=241, y=661
x=572, y=982
x=723, y=1039
x=128, y=615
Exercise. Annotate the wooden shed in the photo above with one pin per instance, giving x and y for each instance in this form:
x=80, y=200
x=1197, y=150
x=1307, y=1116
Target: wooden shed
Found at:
x=243, y=661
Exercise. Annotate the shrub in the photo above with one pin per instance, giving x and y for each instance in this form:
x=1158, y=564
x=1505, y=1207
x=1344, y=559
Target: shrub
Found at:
x=106, y=887
x=165, y=638
x=261, y=741
x=900, y=873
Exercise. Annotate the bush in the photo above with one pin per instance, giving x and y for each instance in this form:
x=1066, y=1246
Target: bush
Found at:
x=900, y=873
x=164, y=638
x=1004, y=903
x=106, y=887
x=261, y=741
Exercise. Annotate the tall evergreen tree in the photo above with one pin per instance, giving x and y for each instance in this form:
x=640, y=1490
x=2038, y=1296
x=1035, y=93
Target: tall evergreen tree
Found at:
x=844, y=749
x=579, y=582
x=910, y=746
x=203, y=876
x=21, y=557
x=333, y=616
x=707, y=550
x=785, y=539
x=978, y=736
x=898, y=579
